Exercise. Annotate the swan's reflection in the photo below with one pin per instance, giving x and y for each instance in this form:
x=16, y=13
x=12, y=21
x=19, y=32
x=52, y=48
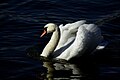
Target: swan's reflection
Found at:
x=56, y=69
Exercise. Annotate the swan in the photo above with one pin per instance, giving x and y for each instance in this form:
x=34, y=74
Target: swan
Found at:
x=78, y=37
x=60, y=36
x=87, y=35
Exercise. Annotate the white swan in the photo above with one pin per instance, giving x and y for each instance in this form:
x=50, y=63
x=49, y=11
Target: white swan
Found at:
x=66, y=34
x=87, y=35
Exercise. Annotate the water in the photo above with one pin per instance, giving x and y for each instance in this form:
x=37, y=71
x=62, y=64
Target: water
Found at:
x=21, y=23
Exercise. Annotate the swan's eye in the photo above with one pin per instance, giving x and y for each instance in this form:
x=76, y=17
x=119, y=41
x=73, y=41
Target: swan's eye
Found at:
x=45, y=28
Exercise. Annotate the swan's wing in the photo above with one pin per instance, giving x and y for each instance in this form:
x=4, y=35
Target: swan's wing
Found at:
x=86, y=40
x=88, y=37
x=68, y=31
x=76, y=46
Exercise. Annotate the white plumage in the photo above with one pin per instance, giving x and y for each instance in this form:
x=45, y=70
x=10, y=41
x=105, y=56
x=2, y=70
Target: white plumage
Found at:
x=87, y=38
x=68, y=33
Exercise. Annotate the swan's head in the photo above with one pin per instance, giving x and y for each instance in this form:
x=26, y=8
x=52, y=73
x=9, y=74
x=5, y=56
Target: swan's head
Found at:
x=49, y=28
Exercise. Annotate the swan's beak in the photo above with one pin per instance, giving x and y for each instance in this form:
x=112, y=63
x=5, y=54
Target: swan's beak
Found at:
x=44, y=32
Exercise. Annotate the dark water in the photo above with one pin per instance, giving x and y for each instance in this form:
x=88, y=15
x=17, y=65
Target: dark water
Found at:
x=21, y=23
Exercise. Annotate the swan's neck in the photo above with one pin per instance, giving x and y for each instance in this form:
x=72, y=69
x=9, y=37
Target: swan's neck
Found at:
x=49, y=48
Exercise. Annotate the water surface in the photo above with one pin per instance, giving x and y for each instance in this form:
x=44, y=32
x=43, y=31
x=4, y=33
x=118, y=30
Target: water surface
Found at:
x=21, y=23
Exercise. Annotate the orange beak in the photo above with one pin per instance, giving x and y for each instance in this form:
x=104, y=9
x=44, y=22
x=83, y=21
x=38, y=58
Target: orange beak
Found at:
x=44, y=32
